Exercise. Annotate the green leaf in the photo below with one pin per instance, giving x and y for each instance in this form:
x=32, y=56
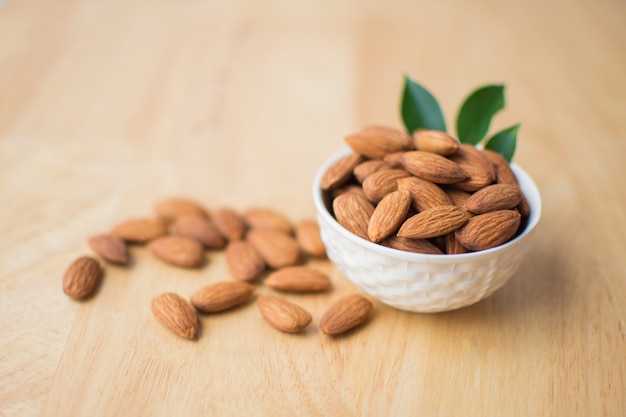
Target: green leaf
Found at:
x=420, y=109
x=472, y=123
x=504, y=142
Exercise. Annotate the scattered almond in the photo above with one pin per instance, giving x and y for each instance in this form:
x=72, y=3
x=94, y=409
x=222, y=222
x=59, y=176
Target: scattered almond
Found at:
x=353, y=212
x=140, y=230
x=230, y=224
x=171, y=208
x=82, y=277
x=340, y=171
x=282, y=314
x=298, y=279
x=110, y=248
x=221, y=296
x=309, y=238
x=345, y=314
x=175, y=313
x=276, y=248
x=178, y=250
x=243, y=260
x=266, y=218
x=199, y=228
x=388, y=215
x=433, y=222
x=488, y=230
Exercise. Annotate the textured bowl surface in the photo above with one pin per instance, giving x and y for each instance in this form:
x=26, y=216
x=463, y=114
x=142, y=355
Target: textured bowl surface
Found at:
x=419, y=282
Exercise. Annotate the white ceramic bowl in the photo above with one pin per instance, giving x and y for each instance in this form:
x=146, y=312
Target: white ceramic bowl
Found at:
x=420, y=282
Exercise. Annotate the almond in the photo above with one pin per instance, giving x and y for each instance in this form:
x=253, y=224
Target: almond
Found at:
x=435, y=141
x=276, y=248
x=367, y=168
x=171, y=208
x=381, y=183
x=175, y=313
x=493, y=197
x=298, y=279
x=376, y=142
x=433, y=167
x=221, y=296
x=457, y=197
x=433, y=222
x=309, y=238
x=199, y=228
x=411, y=245
x=82, y=277
x=230, y=224
x=267, y=218
x=474, y=162
x=111, y=248
x=389, y=215
x=345, y=314
x=353, y=212
x=453, y=246
x=503, y=172
x=140, y=230
x=282, y=314
x=392, y=134
x=489, y=230
x=348, y=189
x=340, y=171
x=394, y=159
x=424, y=194
x=178, y=250
x=244, y=262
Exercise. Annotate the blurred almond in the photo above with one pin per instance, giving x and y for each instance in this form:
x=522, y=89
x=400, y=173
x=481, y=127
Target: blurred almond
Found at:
x=489, y=230
x=82, y=277
x=178, y=250
x=433, y=222
x=199, y=228
x=298, y=279
x=389, y=215
x=282, y=314
x=243, y=260
x=435, y=141
x=381, y=183
x=171, y=208
x=140, y=230
x=276, y=248
x=375, y=141
x=110, y=248
x=345, y=314
x=309, y=238
x=175, y=313
x=221, y=296
x=367, y=168
x=231, y=225
x=267, y=218
x=424, y=194
x=340, y=171
x=394, y=159
x=433, y=167
x=353, y=212
x=356, y=189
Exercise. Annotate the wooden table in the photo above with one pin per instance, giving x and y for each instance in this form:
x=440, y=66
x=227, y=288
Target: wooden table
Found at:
x=107, y=107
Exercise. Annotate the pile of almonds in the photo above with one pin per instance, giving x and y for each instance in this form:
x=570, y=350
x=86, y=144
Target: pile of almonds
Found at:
x=425, y=193
x=261, y=245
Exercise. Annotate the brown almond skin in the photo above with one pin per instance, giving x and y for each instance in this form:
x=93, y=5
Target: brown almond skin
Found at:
x=110, y=248
x=424, y=194
x=300, y=279
x=474, y=162
x=353, y=212
x=367, y=168
x=345, y=314
x=392, y=134
x=489, y=230
x=394, y=159
x=309, y=238
x=340, y=171
x=457, y=197
x=381, y=183
x=243, y=260
x=276, y=248
x=140, y=230
x=436, y=221
x=171, y=208
x=199, y=228
x=453, y=246
x=221, y=296
x=433, y=167
x=82, y=277
x=178, y=250
x=503, y=172
x=348, y=189
x=175, y=313
x=435, y=141
x=411, y=245
x=493, y=197
x=282, y=314
x=231, y=225
x=267, y=218
x=388, y=215
x=376, y=142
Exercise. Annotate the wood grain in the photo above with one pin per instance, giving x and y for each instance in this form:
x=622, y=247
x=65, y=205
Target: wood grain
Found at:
x=107, y=107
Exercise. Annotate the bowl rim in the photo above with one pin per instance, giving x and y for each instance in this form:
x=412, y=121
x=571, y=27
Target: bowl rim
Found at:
x=526, y=183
